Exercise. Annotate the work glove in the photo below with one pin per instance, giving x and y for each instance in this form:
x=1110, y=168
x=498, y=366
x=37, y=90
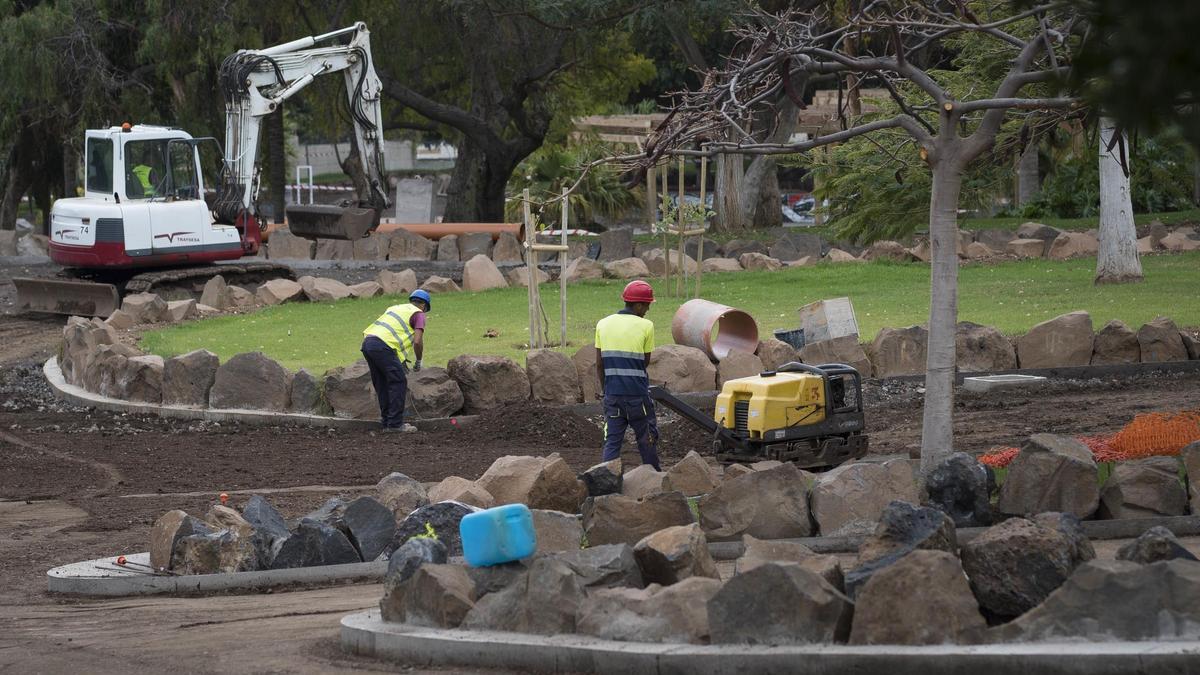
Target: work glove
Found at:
x=417, y=366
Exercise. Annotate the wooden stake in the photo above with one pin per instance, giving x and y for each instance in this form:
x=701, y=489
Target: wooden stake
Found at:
x=703, y=223
x=681, y=275
x=651, y=197
x=562, y=276
x=666, y=199
x=530, y=266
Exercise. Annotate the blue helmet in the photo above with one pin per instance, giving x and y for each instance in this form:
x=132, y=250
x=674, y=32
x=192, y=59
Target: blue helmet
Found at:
x=423, y=295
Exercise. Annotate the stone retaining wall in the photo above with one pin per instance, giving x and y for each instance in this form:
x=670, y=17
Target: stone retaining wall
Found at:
x=94, y=357
x=792, y=248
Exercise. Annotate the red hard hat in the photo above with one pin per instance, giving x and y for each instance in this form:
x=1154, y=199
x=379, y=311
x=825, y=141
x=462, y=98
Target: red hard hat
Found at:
x=638, y=291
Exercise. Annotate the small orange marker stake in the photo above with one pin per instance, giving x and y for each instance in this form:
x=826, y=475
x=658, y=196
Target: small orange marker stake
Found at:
x=121, y=560
x=224, y=497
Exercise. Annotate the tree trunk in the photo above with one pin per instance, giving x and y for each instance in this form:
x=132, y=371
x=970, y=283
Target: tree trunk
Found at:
x=70, y=170
x=352, y=167
x=1117, y=260
x=1196, y=181
x=937, y=437
x=730, y=217
x=760, y=194
x=1028, y=182
x=476, y=191
x=276, y=163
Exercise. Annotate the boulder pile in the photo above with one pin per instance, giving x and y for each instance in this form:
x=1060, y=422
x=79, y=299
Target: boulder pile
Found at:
x=627, y=557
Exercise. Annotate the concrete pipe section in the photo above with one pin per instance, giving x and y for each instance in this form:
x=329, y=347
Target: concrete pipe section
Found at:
x=714, y=328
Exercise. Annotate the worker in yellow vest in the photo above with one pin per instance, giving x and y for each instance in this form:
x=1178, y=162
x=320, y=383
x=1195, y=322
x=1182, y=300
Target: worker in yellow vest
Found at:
x=623, y=344
x=390, y=344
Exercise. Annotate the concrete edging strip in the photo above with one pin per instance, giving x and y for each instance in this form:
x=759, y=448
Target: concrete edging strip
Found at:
x=365, y=634
x=82, y=397
x=103, y=577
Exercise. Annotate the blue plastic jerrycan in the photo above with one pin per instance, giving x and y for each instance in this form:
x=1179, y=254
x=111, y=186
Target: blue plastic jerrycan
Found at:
x=498, y=535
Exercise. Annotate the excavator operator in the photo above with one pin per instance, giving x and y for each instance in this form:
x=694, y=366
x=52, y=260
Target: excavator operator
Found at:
x=146, y=168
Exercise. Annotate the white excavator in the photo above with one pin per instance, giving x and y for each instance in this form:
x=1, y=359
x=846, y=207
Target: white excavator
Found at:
x=152, y=218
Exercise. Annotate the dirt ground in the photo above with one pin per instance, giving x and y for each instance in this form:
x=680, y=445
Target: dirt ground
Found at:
x=78, y=484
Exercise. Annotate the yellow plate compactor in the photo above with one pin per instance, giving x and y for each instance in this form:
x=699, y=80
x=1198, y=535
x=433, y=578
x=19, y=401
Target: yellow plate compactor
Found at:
x=810, y=415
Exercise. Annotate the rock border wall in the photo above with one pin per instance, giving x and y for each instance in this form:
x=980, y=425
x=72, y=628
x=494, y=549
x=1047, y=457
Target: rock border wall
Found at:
x=98, y=358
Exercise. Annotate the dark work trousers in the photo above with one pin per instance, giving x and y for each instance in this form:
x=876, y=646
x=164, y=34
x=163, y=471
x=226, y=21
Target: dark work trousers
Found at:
x=621, y=412
x=390, y=378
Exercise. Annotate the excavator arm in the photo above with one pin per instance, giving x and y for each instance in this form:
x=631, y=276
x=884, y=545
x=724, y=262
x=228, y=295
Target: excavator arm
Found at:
x=256, y=82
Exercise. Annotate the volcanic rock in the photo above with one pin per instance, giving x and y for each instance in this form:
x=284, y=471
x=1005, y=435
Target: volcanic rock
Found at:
x=481, y=274
x=859, y=492
x=279, y=291
x=1144, y=488
x=980, y=349
x=1154, y=545
x=397, y=283
x=401, y=494
x=556, y=531
x=673, y=554
x=737, y=364
x=443, y=518
x=252, y=382
x=690, y=475
x=615, y=519
x=902, y=528
x=552, y=377
x=1116, y=343
x=436, y=595
x=937, y=605
x=1051, y=473
x=776, y=604
x=677, y=613
x=314, y=543
x=1159, y=340
x=1065, y=340
x=770, y=504
x=1015, y=565
x=900, y=351
x=958, y=486
x=681, y=369
x=488, y=382
x=537, y=482
x=603, y=479
x=371, y=525
x=604, y=566
x=434, y=393
x=543, y=601
x=349, y=392
x=458, y=489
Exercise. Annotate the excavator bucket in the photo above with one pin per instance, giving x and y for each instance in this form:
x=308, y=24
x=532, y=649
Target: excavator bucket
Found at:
x=323, y=221
x=78, y=298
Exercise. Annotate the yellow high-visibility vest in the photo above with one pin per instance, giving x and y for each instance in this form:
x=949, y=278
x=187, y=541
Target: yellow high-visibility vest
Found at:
x=394, y=329
x=142, y=172
x=624, y=339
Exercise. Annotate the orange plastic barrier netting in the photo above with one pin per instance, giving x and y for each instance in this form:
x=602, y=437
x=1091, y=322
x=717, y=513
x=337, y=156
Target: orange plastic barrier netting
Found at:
x=1148, y=435
x=1156, y=434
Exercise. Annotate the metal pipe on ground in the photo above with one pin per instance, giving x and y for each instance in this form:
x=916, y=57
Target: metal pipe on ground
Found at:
x=714, y=328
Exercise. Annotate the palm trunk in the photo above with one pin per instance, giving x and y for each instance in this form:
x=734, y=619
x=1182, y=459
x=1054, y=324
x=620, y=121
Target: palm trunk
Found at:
x=1117, y=260
x=937, y=438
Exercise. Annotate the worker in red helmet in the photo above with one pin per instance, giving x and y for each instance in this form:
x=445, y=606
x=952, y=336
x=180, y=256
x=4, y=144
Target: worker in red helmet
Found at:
x=623, y=344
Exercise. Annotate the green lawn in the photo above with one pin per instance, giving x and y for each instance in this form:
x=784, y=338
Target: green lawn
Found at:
x=1012, y=296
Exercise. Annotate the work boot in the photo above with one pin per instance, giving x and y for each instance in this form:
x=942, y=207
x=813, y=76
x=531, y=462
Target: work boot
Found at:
x=408, y=428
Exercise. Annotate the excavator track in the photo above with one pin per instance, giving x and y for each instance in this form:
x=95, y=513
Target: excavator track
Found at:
x=188, y=282
x=98, y=292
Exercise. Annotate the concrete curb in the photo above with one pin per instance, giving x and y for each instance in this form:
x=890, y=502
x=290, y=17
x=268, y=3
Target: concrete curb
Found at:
x=103, y=577
x=364, y=634
x=82, y=397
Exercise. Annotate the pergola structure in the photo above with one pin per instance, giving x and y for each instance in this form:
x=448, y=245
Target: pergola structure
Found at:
x=632, y=131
